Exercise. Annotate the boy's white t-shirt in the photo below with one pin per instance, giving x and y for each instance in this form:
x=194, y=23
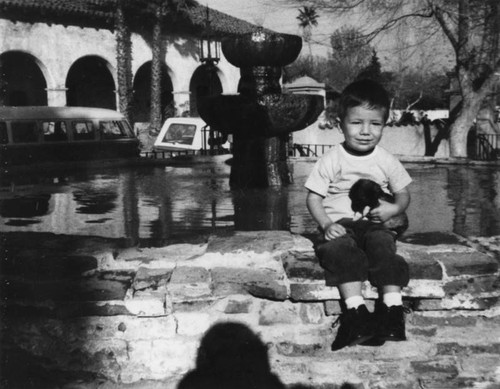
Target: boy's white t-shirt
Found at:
x=336, y=171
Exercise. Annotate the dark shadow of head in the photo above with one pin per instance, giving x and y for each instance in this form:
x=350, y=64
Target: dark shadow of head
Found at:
x=231, y=356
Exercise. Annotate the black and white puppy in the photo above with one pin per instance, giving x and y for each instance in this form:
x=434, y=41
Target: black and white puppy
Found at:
x=367, y=193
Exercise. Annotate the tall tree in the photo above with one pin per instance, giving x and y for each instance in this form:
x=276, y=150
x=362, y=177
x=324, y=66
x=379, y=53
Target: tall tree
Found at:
x=374, y=70
x=350, y=54
x=472, y=29
x=308, y=18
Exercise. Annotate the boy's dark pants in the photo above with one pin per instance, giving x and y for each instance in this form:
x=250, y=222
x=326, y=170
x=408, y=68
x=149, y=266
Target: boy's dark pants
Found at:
x=366, y=252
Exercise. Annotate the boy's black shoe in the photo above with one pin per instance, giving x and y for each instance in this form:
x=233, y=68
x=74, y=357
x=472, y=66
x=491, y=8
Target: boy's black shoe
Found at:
x=375, y=340
x=391, y=323
x=375, y=322
x=354, y=328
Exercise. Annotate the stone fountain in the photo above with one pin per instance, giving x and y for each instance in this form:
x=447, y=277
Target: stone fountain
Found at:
x=260, y=118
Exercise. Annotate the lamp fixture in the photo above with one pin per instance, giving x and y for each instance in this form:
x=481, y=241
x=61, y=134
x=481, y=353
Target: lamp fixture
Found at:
x=209, y=48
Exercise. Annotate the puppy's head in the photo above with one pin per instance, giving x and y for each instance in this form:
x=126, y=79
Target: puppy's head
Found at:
x=365, y=193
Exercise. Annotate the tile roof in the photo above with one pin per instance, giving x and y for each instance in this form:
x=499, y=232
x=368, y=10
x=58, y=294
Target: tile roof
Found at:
x=220, y=22
x=100, y=14
x=305, y=82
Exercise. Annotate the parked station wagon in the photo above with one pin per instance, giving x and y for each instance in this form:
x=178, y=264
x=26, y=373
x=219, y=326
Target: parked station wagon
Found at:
x=30, y=135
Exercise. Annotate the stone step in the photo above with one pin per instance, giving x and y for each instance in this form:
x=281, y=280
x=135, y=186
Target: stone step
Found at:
x=288, y=272
x=126, y=317
x=456, y=351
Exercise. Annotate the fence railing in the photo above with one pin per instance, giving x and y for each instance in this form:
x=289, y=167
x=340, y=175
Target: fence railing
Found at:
x=308, y=150
x=213, y=141
x=486, y=147
x=295, y=150
x=164, y=154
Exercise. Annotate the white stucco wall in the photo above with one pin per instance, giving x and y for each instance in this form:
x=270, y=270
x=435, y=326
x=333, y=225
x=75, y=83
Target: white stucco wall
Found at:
x=57, y=47
x=404, y=140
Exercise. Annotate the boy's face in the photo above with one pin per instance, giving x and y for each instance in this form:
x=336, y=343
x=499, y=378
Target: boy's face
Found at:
x=362, y=127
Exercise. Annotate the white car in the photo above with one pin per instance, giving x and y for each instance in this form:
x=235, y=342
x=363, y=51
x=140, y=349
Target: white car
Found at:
x=188, y=133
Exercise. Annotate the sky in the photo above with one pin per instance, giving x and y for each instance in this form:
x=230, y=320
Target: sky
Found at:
x=278, y=16
x=275, y=17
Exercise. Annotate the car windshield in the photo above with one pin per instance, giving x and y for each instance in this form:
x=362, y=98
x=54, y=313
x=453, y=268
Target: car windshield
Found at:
x=180, y=133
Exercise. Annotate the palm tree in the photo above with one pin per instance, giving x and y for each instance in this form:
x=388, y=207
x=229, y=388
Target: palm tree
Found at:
x=123, y=59
x=308, y=18
x=158, y=10
x=162, y=8
x=156, y=65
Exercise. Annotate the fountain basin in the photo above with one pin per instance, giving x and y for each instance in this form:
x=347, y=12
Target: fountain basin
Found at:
x=261, y=48
x=271, y=115
x=260, y=117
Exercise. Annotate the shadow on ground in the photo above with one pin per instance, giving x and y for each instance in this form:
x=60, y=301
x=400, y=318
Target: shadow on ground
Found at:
x=230, y=355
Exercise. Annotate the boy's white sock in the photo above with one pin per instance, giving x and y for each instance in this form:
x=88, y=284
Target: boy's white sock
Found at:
x=354, y=302
x=393, y=298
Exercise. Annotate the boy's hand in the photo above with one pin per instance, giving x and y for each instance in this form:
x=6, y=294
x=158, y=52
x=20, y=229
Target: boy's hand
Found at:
x=383, y=212
x=361, y=215
x=333, y=231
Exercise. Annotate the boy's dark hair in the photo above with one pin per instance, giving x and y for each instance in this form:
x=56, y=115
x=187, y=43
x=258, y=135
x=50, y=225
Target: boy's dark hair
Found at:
x=364, y=92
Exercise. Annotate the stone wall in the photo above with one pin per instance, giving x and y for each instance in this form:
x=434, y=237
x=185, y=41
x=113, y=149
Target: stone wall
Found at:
x=89, y=312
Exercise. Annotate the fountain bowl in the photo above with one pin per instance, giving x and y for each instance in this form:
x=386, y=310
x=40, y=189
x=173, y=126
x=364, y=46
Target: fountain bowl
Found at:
x=261, y=48
x=238, y=114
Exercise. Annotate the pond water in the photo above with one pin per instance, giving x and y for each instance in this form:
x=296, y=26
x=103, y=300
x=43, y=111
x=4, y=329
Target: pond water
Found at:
x=158, y=205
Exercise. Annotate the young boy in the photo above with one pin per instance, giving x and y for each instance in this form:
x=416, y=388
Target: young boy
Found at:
x=353, y=251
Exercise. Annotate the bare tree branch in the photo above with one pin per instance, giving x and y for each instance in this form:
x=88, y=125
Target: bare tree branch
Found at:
x=439, y=16
x=393, y=22
x=337, y=6
x=415, y=102
x=463, y=23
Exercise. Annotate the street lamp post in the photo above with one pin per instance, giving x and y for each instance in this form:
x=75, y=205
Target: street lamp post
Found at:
x=209, y=48
x=209, y=57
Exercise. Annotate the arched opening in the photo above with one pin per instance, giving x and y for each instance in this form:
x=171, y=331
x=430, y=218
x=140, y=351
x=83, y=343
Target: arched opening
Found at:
x=205, y=82
x=141, y=107
x=21, y=80
x=90, y=84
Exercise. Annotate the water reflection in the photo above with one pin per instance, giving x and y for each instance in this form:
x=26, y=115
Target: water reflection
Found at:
x=95, y=201
x=25, y=207
x=154, y=206
x=475, y=196
x=256, y=209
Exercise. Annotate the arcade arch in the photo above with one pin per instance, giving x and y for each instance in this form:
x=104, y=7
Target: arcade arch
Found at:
x=141, y=103
x=204, y=82
x=23, y=81
x=90, y=83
